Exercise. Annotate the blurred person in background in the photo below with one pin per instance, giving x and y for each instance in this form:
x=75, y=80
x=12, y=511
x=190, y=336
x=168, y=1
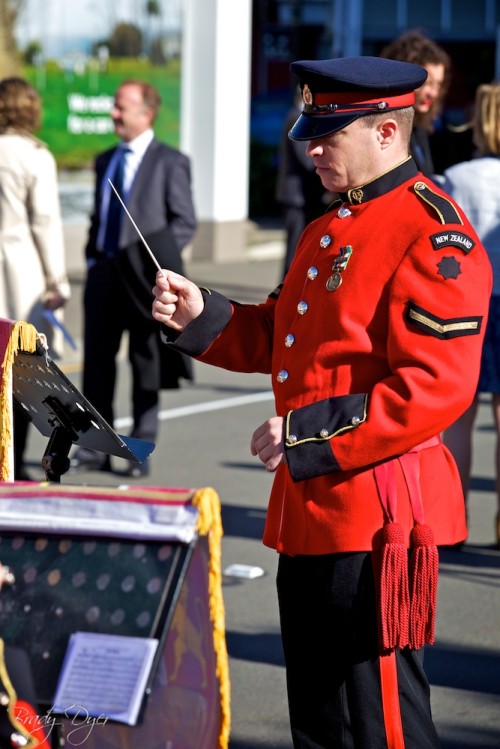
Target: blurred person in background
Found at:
x=154, y=181
x=475, y=185
x=298, y=188
x=413, y=46
x=33, y=275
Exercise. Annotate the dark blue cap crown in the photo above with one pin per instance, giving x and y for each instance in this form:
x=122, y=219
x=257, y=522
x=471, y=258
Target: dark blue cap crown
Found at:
x=338, y=91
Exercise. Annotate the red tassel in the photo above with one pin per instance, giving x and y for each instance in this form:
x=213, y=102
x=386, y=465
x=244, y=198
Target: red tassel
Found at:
x=424, y=568
x=28, y=726
x=394, y=593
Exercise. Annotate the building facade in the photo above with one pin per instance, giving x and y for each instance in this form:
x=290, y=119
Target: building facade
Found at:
x=285, y=30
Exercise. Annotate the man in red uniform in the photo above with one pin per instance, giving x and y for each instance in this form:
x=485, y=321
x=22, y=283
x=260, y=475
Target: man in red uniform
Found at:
x=373, y=342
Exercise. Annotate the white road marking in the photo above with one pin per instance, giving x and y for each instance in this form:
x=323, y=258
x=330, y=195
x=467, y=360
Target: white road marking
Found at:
x=198, y=408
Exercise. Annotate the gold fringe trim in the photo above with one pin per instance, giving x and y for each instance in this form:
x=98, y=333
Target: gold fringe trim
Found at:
x=207, y=502
x=31, y=741
x=22, y=337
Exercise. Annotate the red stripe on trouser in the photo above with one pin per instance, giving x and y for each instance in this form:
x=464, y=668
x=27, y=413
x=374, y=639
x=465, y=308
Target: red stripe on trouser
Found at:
x=390, y=701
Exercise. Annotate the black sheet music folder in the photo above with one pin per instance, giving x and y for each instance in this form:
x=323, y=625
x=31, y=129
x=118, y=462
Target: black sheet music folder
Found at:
x=59, y=411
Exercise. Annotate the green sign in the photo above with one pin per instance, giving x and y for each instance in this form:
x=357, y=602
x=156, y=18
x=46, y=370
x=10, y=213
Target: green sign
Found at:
x=78, y=98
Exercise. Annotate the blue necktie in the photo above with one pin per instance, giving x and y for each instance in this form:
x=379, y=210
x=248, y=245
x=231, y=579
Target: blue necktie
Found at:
x=115, y=210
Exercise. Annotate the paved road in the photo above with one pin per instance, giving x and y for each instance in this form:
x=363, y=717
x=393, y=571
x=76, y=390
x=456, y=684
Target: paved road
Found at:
x=204, y=441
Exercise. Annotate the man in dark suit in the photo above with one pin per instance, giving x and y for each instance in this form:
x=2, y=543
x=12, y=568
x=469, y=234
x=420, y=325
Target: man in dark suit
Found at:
x=154, y=181
x=298, y=187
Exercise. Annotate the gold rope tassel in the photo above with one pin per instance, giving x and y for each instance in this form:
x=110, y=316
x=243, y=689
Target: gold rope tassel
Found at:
x=22, y=337
x=209, y=523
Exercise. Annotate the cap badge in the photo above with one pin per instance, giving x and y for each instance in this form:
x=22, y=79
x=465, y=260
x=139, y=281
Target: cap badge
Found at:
x=307, y=95
x=339, y=264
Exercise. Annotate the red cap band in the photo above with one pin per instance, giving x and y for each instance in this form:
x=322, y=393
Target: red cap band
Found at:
x=357, y=101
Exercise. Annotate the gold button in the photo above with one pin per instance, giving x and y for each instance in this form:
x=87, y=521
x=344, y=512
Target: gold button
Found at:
x=324, y=433
x=355, y=421
x=282, y=375
x=289, y=340
x=312, y=273
x=302, y=307
x=292, y=439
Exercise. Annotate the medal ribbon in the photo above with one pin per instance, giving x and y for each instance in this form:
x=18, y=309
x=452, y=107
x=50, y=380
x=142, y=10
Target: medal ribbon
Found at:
x=339, y=264
x=343, y=258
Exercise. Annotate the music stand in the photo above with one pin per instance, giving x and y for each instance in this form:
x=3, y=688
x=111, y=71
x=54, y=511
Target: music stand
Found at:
x=59, y=411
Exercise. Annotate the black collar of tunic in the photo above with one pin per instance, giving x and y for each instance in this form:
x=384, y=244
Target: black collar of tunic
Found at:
x=380, y=185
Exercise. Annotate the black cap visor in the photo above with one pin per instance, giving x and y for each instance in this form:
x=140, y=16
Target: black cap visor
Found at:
x=311, y=126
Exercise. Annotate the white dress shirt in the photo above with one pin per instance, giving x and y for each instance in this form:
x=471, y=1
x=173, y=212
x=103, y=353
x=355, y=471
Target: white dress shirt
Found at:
x=136, y=149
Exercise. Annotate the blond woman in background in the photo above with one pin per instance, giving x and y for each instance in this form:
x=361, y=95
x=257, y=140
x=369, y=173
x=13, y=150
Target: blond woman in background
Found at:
x=32, y=259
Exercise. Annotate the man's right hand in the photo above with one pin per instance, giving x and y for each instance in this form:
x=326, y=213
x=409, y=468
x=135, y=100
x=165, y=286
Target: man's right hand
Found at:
x=177, y=301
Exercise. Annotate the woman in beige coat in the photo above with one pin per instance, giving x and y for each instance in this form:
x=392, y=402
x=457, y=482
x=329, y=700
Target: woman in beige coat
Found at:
x=32, y=258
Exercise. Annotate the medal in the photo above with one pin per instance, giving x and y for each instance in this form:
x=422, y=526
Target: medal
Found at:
x=334, y=281
x=339, y=264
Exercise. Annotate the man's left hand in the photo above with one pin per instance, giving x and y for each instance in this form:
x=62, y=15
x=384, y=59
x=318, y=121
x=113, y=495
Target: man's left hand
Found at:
x=267, y=443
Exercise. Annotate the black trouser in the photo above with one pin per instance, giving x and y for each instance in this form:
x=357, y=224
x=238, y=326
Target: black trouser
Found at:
x=109, y=312
x=21, y=422
x=329, y=631
x=296, y=219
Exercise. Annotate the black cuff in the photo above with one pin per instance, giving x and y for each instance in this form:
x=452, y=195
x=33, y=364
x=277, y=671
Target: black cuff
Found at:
x=308, y=431
x=204, y=329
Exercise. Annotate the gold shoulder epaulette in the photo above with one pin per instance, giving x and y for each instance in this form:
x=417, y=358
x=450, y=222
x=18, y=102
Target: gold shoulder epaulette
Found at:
x=443, y=207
